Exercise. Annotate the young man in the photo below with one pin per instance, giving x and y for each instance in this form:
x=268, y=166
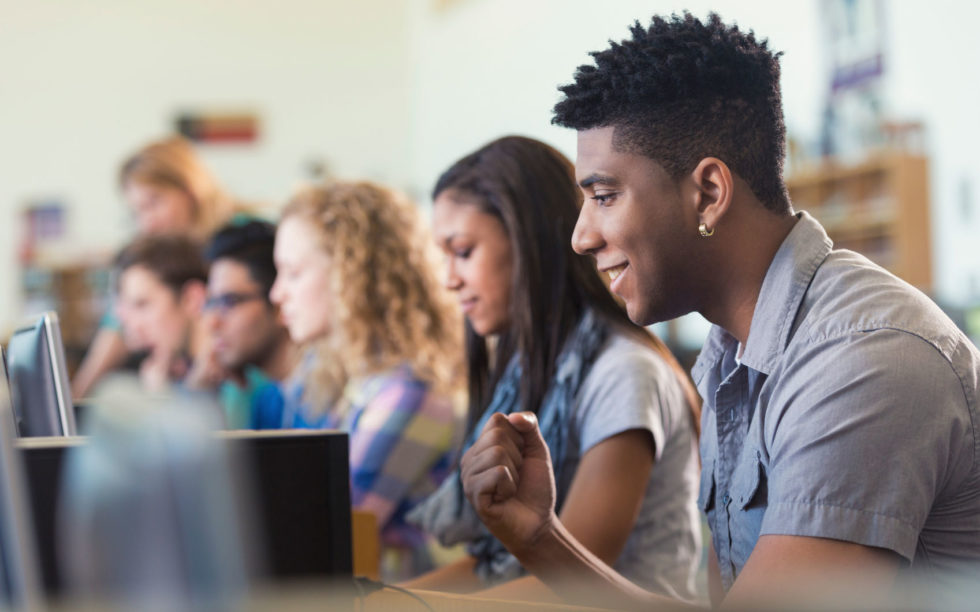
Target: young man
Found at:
x=839, y=429
x=250, y=345
x=161, y=290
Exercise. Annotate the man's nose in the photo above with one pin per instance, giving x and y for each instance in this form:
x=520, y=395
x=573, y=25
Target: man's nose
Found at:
x=586, y=239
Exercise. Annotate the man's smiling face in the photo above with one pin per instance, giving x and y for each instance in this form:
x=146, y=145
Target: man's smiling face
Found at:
x=634, y=223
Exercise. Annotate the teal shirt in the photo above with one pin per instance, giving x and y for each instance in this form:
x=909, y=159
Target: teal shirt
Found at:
x=257, y=405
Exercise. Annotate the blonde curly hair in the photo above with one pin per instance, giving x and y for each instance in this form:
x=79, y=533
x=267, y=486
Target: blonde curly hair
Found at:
x=389, y=308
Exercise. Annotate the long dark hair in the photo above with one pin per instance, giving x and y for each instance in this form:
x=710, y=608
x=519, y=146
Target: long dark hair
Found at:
x=530, y=187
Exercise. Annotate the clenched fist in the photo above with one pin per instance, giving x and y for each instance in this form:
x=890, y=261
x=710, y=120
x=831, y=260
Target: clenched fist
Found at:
x=507, y=476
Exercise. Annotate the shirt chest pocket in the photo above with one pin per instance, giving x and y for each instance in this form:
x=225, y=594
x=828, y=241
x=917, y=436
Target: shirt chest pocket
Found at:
x=749, y=500
x=749, y=484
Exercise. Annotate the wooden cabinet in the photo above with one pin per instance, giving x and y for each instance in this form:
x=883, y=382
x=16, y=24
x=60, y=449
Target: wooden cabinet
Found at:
x=879, y=208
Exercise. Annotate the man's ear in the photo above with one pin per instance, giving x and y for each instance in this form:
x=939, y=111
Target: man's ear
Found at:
x=716, y=188
x=192, y=297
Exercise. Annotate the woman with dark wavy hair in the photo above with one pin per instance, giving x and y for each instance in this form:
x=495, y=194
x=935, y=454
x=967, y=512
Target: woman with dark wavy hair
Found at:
x=544, y=334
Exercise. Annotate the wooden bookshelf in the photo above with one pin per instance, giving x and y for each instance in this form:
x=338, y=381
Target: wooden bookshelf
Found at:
x=879, y=208
x=78, y=292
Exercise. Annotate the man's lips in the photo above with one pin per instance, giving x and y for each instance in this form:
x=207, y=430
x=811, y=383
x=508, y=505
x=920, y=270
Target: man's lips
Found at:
x=613, y=272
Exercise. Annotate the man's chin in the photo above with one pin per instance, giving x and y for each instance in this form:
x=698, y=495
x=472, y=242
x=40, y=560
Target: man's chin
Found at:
x=639, y=315
x=646, y=315
x=233, y=366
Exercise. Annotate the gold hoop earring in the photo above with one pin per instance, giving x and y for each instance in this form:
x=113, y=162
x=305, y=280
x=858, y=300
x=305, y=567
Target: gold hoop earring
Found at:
x=704, y=231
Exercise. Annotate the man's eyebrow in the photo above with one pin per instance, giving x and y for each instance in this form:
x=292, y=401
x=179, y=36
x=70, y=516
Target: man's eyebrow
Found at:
x=598, y=179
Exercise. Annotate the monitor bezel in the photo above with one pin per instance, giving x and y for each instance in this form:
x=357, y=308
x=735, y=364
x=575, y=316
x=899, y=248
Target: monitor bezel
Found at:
x=50, y=326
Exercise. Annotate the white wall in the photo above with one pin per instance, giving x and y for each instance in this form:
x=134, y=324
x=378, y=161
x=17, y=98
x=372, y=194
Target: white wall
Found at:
x=397, y=90
x=84, y=84
x=490, y=68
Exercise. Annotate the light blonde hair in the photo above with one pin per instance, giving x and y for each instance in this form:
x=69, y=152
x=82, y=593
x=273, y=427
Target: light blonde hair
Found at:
x=389, y=308
x=173, y=162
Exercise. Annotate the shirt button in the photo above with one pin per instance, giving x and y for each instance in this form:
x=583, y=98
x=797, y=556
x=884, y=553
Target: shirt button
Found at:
x=725, y=499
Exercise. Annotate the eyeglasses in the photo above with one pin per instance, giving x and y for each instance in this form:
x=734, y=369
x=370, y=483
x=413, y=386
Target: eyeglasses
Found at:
x=224, y=302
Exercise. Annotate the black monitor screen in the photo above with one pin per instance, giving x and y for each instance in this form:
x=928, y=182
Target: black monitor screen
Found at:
x=39, y=379
x=301, y=482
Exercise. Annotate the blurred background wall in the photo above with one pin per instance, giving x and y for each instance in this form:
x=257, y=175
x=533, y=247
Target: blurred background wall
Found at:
x=395, y=90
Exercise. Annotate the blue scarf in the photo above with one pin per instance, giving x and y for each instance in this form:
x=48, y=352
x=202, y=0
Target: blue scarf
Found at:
x=446, y=515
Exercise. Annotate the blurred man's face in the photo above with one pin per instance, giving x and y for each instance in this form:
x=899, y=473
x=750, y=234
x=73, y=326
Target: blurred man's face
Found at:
x=150, y=312
x=245, y=327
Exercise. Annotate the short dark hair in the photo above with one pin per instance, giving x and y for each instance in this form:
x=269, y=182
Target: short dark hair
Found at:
x=174, y=259
x=251, y=244
x=682, y=90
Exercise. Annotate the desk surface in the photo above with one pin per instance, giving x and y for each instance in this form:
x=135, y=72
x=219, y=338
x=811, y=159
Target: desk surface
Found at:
x=303, y=600
x=306, y=599
x=389, y=599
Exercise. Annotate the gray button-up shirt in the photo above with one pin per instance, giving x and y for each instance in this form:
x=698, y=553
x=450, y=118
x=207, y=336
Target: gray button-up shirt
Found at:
x=852, y=415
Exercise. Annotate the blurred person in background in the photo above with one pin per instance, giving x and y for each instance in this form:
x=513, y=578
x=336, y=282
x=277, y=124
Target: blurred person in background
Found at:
x=251, y=347
x=169, y=191
x=543, y=334
x=161, y=292
x=357, y=286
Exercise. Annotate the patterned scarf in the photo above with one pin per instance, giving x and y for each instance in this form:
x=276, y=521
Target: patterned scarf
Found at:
x=445, y=513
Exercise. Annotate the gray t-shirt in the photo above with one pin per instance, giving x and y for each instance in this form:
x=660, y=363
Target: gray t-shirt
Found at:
x=631, y=387
x=852, y=416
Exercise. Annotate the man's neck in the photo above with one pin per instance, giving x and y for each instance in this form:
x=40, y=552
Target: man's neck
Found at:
x=281, y=360
x=744, y=270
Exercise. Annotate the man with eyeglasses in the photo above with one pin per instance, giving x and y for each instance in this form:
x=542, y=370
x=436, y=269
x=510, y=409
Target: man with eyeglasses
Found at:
x=250, y=345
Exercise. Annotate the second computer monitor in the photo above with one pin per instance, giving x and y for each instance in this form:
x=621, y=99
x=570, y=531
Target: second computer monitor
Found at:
x=40, y=393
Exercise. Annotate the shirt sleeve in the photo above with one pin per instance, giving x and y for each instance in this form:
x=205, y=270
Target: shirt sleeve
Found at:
x=872, y=427
x=400, y=434
x=628, y=387
x=110, y=320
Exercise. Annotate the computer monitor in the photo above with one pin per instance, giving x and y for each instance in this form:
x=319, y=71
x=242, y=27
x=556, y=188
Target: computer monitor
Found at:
x=4, y=379
x=19, y=573
x=301, y=484
x=41, y=397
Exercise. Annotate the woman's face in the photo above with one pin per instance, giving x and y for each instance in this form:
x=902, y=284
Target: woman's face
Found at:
x=479, y=261
x=151, y=314
x=302, y=287
x=159, y=209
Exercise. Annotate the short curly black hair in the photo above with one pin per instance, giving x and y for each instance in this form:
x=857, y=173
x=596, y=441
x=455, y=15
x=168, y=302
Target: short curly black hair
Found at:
x=249, y=242
x=682, y=90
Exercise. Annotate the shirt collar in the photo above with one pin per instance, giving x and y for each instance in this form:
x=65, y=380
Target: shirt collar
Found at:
x=785, y=284
x=255, y=376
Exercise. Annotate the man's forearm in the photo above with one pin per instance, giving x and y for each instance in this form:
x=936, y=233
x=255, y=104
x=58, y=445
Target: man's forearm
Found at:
x=578, y=576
